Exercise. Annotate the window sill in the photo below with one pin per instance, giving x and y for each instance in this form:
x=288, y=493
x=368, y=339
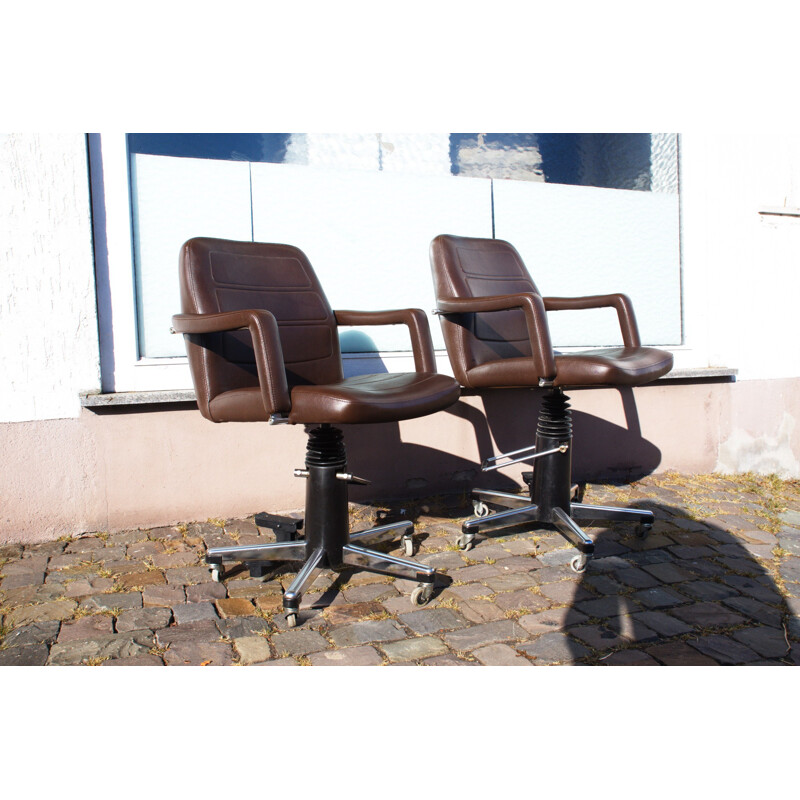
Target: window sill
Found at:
x=96, y=400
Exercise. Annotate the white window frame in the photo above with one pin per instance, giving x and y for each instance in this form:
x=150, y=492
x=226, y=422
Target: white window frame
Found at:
x=123, y=370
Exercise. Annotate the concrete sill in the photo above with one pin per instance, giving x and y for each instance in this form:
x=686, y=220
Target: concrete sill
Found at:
x=98, y=400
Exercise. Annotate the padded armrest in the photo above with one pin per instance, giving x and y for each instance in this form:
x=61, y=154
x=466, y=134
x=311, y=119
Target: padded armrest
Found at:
x=266, y=345
x=532, y=306
x=418, y=328
x=621, y=302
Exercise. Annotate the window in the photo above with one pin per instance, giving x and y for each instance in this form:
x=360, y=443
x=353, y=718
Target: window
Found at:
x=589, y=213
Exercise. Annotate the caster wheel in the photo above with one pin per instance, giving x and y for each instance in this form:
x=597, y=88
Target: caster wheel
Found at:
x=408, y=546
x=577, y=492
x=643, y=530
x=217, y=573
x=422, y=594
x=465, y=542
x=291, y=619
x=579, y=563
x=480, y=508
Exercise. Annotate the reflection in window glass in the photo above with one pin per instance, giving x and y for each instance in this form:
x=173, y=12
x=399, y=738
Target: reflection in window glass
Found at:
x=634, y=161
x=637, y=161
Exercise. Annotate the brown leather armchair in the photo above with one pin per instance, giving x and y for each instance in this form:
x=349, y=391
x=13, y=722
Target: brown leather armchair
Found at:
x=494, y=322
x=263, y=346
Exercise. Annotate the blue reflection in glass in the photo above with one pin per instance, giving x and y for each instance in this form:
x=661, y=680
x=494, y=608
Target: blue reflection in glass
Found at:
x=608, y=160
x=269, y=147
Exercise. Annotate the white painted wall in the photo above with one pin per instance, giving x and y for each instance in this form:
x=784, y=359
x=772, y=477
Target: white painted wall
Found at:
x=741, y=268
x=48, y=322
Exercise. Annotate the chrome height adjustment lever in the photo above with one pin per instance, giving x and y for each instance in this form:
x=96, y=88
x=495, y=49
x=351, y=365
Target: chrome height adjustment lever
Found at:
x=491, y=463
x=350, y=478
x=342, y=476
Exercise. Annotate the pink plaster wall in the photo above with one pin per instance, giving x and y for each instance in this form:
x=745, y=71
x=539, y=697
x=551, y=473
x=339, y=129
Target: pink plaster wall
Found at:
x=125, y=469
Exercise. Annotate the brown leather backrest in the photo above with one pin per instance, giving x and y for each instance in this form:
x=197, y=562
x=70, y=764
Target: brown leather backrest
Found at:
x=218, y=275
x=468, y=267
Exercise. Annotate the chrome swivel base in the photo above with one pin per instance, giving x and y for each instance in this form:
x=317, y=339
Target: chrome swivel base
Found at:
x=551, y=491
x=327, y=544
x=523, y=512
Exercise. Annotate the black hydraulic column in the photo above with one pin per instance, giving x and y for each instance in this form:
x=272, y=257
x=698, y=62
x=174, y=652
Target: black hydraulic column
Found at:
x=552, y=473
x=327, y=522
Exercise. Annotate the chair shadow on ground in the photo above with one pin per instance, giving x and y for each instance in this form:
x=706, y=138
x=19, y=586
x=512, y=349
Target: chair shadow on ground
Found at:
x=691, y=593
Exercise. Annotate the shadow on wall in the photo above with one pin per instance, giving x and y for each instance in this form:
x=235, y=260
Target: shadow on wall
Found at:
x=399, y=469
x=601, y=449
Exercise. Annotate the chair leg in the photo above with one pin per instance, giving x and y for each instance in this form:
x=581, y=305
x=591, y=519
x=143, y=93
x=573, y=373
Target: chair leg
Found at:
x=305, y=577
x=373, y=561
x=608, y=513
x=385, y=533
x=253, y=555
x=570, y=530
x=490, y=522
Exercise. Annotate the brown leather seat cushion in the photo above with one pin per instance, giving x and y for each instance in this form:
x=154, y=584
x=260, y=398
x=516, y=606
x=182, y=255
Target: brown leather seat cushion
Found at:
x=361, y=399
x=615, y=366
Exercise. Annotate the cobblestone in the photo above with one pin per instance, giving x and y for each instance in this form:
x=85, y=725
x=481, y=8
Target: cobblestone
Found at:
x=299, y=642
x=35, y=633
x=252, y=649
x=86, y=628
x=113, y=601
x=696, y=591
x=630, y=658
x=363, y=656
x=56, y=610
x=678, y=653
x=552, y=620
x=163, y=595
x=414, y=649
x=554, y=648
x=386, y=630
x=240, y=627
x=724, y=650
x=706, y=614
x=143, y=618
x=479, y=610
x=767, y=642
x=101, y=648
x=487, y=633
x=500, y=655
x=194, y=612
x=29, y=655
x=199, y=654
x=434, y=620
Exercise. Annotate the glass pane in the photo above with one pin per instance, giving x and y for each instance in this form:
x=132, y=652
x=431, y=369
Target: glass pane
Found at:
x=582, y=208
x=173, y=200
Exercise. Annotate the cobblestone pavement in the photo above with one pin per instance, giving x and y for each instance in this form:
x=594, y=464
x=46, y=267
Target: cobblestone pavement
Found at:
x=716, y=582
